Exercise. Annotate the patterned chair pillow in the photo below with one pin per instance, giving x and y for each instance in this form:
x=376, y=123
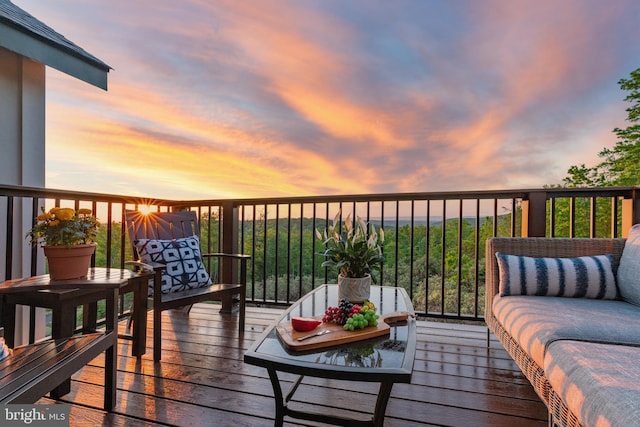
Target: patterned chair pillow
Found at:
x=582, y=277
x=183, y=261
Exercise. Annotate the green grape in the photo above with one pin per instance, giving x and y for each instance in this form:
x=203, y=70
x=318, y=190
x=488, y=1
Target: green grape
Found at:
x=364, y=316
x=348, y=327
x=371, y=318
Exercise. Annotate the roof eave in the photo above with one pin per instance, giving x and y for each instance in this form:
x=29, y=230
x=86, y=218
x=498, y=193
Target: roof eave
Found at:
x=90, y=72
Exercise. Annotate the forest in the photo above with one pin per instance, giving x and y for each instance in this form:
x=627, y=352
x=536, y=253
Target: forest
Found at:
x=440, y=263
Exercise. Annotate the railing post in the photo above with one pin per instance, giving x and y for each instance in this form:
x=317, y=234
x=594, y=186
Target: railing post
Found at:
x=230, y=224
x=8, y=248
x=630, y=211
x=534, y=214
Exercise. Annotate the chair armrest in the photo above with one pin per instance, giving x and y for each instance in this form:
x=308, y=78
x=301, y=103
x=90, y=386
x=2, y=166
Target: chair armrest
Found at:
x=147, y=267
x=223, y=255
x=240, y=258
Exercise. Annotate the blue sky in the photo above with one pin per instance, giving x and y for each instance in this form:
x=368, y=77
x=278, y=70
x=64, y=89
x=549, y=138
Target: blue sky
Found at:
x=217, y=99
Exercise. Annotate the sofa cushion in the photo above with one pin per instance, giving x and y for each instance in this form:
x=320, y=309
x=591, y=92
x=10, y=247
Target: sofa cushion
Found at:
x=184, y=267
x=535, y=322
x=587, y=276
x=629, y=268
x=599, y=383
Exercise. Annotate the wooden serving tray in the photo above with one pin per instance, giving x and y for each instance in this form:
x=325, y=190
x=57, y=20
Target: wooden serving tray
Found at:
x=289, y=337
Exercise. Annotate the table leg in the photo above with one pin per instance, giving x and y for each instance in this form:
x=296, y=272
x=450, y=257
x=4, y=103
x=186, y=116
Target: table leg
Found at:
x=110, y=360
x=63, y=321
x=277, y=392
x=157, y=324
x=227, y=304
x=89, y=317
x=9, y=322
x=282, y=408
x=139, y=315
x=381, y=403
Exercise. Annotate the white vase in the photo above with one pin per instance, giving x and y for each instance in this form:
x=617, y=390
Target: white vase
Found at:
x=354, y=289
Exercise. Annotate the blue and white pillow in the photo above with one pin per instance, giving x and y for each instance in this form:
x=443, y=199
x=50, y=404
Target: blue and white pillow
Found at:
x=183, y=261
x=582, y=277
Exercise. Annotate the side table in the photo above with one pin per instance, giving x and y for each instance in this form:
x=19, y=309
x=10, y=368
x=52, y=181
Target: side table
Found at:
x=63, y=296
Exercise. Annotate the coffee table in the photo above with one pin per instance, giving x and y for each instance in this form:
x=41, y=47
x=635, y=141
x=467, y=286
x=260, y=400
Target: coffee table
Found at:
x=389, y=359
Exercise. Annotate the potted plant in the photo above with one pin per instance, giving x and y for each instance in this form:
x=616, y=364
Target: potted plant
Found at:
x=356, y=251
x=68, y=239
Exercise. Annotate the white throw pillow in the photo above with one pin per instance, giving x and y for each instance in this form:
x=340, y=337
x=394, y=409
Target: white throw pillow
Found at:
x=582, y=277
x=629, y=268
x=184, y=267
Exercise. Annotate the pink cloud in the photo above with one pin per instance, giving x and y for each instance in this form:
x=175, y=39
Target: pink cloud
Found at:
x=316, y=98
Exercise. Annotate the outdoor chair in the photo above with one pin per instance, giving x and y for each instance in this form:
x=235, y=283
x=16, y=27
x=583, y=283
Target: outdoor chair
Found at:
x=170, y=242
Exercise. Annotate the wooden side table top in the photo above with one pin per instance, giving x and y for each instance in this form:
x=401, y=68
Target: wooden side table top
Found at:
x=98, y=278
x=62, y=296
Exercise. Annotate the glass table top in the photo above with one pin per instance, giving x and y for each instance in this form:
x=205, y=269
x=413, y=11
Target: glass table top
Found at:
x=384, y=355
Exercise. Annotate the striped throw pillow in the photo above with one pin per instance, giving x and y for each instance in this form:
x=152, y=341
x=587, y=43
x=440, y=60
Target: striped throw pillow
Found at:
x=582, y=277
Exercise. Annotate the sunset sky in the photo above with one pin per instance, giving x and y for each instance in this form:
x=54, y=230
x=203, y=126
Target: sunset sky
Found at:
x=219, y=99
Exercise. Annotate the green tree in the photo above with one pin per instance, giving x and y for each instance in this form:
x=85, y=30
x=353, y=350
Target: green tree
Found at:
x=621, y=164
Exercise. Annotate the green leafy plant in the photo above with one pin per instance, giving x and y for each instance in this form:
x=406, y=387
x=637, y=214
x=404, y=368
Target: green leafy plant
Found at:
x=355, y=249
x=64, y=227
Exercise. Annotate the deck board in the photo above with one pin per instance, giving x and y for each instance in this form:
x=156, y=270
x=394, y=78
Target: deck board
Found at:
x=202, y=380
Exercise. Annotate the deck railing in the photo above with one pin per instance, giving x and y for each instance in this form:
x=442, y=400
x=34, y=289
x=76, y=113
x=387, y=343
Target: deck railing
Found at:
x=434, y=242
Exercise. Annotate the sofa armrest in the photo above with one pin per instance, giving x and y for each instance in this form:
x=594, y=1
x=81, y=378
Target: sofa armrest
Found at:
x=557, y=247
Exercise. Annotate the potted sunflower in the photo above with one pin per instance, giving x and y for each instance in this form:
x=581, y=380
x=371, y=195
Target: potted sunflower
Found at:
x=68, y=239
x=355, y=249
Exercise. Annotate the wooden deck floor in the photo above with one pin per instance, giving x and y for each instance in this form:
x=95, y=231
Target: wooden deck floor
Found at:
x=203, y=381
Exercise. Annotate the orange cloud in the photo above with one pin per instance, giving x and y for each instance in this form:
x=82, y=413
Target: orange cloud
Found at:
x=238, y=99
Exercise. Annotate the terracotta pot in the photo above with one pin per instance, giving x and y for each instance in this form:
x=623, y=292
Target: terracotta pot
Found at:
x=354, y=289
x=69, y=262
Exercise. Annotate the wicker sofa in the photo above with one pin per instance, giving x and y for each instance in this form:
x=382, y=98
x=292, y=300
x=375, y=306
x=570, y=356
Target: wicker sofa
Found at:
x=580, y=354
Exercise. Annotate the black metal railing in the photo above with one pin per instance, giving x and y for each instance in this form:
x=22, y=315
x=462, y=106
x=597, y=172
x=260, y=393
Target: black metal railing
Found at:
x=434, y=242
